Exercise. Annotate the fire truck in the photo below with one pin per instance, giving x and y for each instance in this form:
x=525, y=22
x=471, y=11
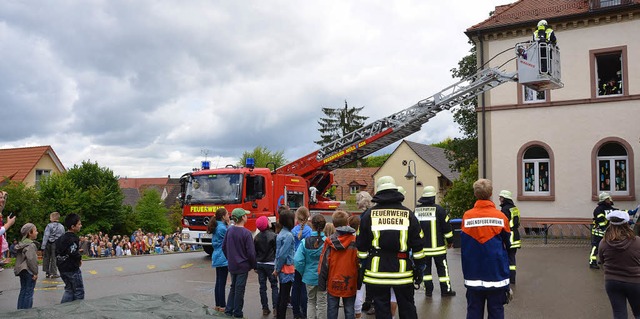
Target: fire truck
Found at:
x=303, y=182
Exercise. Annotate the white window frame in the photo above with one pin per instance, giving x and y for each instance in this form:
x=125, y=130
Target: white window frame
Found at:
x=354, y=189
x=612, y=160
x=536, y=185
x=534, y=94
x=40, y=173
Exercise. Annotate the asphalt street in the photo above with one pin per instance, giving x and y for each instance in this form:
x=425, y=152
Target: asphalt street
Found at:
x=553, y=282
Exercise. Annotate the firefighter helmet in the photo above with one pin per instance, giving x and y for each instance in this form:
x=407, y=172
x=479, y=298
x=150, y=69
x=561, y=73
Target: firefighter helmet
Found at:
x=542, y=23
x=385, y=182
x=604, y=196
x=401, y=190
x=505, y=194
x=429, y=191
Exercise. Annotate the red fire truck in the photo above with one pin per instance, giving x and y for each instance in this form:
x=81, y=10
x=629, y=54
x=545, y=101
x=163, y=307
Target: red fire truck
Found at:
x=304, y=181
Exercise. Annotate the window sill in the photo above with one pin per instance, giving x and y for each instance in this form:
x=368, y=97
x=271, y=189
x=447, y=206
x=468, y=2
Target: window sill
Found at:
x=615, y=198
x=537, y=198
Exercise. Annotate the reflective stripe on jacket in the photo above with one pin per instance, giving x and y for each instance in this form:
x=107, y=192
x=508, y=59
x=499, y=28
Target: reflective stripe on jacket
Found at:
x=390, y=240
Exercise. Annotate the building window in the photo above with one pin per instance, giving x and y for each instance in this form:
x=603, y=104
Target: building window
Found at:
x=536, y=172
x=535, y=163
x=354, y=189
x=612, y=165
x=533, y=96
x=40, y=174
x=609, y=72
x=613, y=169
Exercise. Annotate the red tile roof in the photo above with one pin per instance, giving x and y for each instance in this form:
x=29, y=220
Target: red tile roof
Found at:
x=529, y=12
x=17, y=163
x=126, y=182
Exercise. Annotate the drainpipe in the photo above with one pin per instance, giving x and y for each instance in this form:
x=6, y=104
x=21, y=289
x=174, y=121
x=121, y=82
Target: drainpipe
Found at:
x=484, y=130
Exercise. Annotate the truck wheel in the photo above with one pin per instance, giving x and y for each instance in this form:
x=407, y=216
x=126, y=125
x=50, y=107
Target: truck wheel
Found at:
x=208, y=249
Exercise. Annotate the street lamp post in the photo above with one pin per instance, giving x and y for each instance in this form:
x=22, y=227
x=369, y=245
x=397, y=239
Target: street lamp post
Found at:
x=412, y=175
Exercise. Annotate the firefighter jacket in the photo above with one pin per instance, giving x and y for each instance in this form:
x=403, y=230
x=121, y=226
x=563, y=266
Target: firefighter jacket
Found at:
x=600, y=221
x=543, y=34
x=513, y=214
x=434, y=222
x=390, y=241
x=484, y=242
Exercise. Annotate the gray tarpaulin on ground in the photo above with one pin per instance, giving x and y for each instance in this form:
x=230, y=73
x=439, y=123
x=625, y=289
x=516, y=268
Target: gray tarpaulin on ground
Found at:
x=122, y=306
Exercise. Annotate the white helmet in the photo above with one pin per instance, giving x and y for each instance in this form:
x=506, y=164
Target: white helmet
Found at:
x=401, y=190
x=429, y=191
x=604, y=196
x=385, y=182
x=505, y=194
x=542, y=23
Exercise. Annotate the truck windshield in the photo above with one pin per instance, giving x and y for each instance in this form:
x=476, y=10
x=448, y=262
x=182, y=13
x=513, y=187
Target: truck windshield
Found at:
x=215, y=189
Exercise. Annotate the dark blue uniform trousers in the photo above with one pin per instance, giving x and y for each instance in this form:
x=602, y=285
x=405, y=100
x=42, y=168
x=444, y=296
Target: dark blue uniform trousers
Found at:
x=494, y=299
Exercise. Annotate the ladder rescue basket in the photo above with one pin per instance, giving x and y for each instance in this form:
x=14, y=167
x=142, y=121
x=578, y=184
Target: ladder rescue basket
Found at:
x=538, y=65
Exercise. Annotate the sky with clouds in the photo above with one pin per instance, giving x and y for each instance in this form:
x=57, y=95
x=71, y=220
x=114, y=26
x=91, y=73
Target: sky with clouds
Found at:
x=143, y=87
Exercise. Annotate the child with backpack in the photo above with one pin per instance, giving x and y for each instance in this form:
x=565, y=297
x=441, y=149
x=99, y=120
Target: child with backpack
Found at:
x=306, y=261
x=339, y=268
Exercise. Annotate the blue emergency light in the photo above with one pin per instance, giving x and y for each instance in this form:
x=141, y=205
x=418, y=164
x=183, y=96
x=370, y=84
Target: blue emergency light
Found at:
x=250, y=163
x=206, y=164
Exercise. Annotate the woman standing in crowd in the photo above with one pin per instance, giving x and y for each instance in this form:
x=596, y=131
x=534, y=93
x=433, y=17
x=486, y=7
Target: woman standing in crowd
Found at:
x=284, y=268
x=298, y=290
x=619, y=253
x=218, y=229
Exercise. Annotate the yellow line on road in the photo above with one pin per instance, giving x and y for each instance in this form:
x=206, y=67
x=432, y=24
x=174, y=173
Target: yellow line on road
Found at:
x=119, y=269
x=186, y=266
x=93, y=272
x=151, y=266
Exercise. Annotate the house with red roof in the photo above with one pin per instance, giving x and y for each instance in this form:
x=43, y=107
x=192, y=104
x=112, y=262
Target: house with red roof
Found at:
x=557, y=150
x=28, y=164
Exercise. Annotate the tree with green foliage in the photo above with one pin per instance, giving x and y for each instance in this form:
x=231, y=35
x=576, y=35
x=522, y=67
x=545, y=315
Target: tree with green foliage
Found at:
x=151, y=214
x=262, y=156
x=375, y=161
x=339, y=122
x=89, y=190
x=175, y=216
x=463, y=151
x=22, y=202
x=460, y=196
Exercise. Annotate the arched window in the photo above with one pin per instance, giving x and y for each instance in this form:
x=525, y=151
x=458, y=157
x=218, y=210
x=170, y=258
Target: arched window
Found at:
x=536, y=172
x=612, y=163
x=613, y=169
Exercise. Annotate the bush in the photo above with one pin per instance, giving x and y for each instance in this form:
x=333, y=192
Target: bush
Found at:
x=459, y=197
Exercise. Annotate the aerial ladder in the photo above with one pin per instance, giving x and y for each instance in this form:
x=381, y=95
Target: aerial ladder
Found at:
x=538, y=67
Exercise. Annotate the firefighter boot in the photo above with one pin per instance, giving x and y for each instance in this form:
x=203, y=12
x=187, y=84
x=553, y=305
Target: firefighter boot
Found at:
x=428, y=289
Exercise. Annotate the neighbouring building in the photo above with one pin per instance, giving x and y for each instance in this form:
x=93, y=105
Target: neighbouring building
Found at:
x=351, y=181
x=414, y=166
x=557, y=150
x=28, y=165
x=132, y=188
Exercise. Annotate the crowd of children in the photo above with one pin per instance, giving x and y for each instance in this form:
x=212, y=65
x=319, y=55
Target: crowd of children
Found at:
x=321, y=256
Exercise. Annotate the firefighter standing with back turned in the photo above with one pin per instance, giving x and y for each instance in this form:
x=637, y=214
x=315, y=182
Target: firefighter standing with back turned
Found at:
x=438, y=235
x=600, y=224
x=513, y=214
x=389, y=244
